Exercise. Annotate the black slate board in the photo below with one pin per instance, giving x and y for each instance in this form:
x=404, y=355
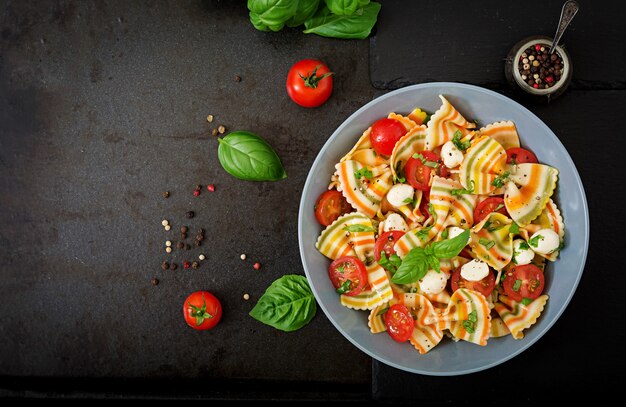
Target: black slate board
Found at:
x=463, y=41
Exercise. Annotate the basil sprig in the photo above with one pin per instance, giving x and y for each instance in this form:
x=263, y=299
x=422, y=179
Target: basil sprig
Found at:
x=288, y=304
x=358, y=228
x=416, y=263
x=499, y=181
x=461, y=145
x=357, y=25
x=246, y=156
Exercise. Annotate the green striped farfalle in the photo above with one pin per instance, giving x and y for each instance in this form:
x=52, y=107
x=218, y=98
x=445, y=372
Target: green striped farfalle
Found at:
x=482, y=164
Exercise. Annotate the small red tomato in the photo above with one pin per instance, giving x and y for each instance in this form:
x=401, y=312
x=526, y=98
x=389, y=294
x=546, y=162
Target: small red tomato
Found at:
x=384, y=135
x=309, y=83
x=202, y=310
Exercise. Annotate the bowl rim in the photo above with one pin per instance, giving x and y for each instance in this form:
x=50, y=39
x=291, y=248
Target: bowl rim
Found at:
x=411, y=88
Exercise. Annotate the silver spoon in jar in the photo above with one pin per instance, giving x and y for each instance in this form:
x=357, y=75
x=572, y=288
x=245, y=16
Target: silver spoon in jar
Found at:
x=569, y=10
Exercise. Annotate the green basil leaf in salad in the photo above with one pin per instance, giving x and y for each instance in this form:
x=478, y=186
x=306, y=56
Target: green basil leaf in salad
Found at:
x=345, y=7
x=287, y=304
x=413, y=268
x=447, y=249
x=246, y=156
x=271, y=15
x=354, y=26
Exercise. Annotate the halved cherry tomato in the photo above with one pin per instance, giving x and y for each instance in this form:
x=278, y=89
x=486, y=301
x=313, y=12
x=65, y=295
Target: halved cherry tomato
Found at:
x=399, y=322
x=329, y=206
x=484, y=286
x=385, y=242
x=202, y=310
x=520, y=155
x=418, y=173
x=348, y=275
x=309, y=83
x=525, y=281
x=385, y=134
x=485, y=207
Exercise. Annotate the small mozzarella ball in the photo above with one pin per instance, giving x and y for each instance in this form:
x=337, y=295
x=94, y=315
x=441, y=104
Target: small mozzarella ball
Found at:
x=395, y=222
x=454, y=231
x=522, y=255
x=433, y=282
x=452, y=156
x=547, y=241
x=400, y=193
x=475, y=270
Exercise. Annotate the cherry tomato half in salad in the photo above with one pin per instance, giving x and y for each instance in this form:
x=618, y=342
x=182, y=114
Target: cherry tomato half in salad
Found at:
x=385, y=134
x=418, y=170
x=525, y=281
x=348, y=275
x=202, y=310
x=486, y=206
x=399, y=322
x=484, y=286
x=309, y=83
x=329, y=206
x=520, y=155
x=385, y=242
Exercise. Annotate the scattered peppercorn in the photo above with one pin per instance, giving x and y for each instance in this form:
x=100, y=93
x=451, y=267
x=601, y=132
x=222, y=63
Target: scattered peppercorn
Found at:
x=237, y=78
x=168, y=249
x=214, y=132
x=246, y=296
x=202, y=257
x=180, y=245
x=195, y=265
x=196, y=192
x=166, y=194
x=168, y=243
x=184, y=229
x=183, y=236
x=154, y=281
x=242, y=257
x=221, y=129
x=167, y=227
x=190, y=214
x=186, y=264
x=165, y=222
x=200, y=237
x=173, y=266
x=209, y=118
x=211, y=187
x=198, y=242
x=165, y=265
x=257, y=265
x=187, y=246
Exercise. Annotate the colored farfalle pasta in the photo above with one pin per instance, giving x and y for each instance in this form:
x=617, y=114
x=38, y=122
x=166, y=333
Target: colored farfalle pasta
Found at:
x=447, y=236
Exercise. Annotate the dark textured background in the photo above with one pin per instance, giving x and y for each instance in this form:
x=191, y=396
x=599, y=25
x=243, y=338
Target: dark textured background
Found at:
x=103, y=106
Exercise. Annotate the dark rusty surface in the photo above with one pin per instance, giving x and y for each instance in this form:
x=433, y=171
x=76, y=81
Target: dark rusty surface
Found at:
x=103, y=106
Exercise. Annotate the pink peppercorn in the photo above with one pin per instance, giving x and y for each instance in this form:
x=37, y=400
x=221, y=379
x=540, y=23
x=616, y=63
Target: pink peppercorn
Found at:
x=536, y=86
x=257, y=265
x=211, y=187
x=186, y=264
x=538, y=47
x=549, y=79
x=196, y=192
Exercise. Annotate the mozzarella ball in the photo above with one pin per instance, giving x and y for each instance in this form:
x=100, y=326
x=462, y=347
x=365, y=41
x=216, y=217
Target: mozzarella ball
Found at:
x=546, y=240
x=522, y=255
x=399, y=194
x=452, y=157
x=433, y=282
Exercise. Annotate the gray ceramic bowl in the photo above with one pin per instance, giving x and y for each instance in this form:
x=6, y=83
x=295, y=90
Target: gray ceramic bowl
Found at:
x=448, y=358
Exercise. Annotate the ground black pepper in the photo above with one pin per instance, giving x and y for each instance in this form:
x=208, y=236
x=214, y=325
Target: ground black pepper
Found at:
x=180, y=245
x=195, y=265
x=184, y=229
x=190, y=214
x=173, y=266
x=154, y=281
x=165, y=265
x=166, y=194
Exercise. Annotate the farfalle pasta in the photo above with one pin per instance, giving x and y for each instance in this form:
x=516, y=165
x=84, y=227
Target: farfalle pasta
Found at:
x=447, y=236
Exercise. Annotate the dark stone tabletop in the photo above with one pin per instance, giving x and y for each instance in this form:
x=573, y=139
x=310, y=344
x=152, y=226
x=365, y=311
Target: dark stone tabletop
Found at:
x=103, y=106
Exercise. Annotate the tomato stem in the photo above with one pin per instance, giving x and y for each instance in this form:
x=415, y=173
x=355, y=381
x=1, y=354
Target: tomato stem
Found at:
x=312, y=80
x=199, y=313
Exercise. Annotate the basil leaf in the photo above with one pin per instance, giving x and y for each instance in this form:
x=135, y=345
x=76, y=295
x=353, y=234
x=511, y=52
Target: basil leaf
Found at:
x=472, y=316
x=357, y=25
x=287, y=304
x=268, y=15
x=413, y=267
x=526, y=301
x=487, y=243
x=305, y=10
x=363, y=172
x=446, y=249
x=246, y=156
x=345, y=287
x=534, y=242
x=431, y=164
x=461, y=145
x=390, y=264
x=500, y=180
x=444, y=234
x=469, y=326
x=514, y=229
x=358, y=228
x=433, y=263
x=523, y=245
x=343, y=7
x=517, y=285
